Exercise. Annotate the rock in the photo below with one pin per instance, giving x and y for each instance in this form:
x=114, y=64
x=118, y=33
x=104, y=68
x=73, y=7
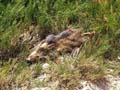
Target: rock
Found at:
x=41, y=88
x=118, y=57
x=36, y=88
x=45, y=66
x=43, y=77
x=23, y=88
x=51, y=86
x=54, y=85
x=112, y=83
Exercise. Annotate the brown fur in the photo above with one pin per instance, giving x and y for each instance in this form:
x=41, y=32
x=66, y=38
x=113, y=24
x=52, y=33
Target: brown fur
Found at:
x=74, y=40
x=65, y=45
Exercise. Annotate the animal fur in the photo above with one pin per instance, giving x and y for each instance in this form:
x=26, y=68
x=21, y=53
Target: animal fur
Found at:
x=63, y=45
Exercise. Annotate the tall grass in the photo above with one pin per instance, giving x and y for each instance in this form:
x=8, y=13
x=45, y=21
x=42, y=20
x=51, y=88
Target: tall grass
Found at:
x=53, y=16
x=102, y=16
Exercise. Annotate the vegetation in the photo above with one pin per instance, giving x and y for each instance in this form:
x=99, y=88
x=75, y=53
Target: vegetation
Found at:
x=53, y=16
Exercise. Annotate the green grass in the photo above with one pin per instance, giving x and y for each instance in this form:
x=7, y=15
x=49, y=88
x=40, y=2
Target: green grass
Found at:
x=69, y=72
x=53, y=16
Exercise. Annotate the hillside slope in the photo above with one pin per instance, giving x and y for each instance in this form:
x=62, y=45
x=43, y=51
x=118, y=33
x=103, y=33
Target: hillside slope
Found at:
x=24, y=24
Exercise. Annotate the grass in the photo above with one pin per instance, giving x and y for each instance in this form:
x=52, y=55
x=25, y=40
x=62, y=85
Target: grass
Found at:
x=69, y=72
x=98, y=56
x=55, y=16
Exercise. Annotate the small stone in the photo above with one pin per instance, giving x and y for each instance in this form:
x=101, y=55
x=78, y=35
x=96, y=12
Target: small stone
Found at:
x=45, y=66
x=41, y=88
x=118, y=57
x=44, y=77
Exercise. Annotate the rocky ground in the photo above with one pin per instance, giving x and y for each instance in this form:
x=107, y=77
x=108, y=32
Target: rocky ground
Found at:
x=108, y=82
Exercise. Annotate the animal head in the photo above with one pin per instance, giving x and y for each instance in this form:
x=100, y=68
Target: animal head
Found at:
x=38, y=52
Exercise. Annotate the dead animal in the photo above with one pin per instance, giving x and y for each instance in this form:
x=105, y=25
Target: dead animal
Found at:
x=64, y=34
x=50, y=39
x=71, y=41
x=38, y=54
x=53, y=38
x=75, y=36
x=75, y=40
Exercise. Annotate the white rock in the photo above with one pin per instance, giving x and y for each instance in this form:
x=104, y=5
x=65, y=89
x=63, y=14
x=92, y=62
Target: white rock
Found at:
x=113, y=84
x=44, y=77
x=45, y=66
x=118, y=57
x=41, y=88
x=53, y=85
